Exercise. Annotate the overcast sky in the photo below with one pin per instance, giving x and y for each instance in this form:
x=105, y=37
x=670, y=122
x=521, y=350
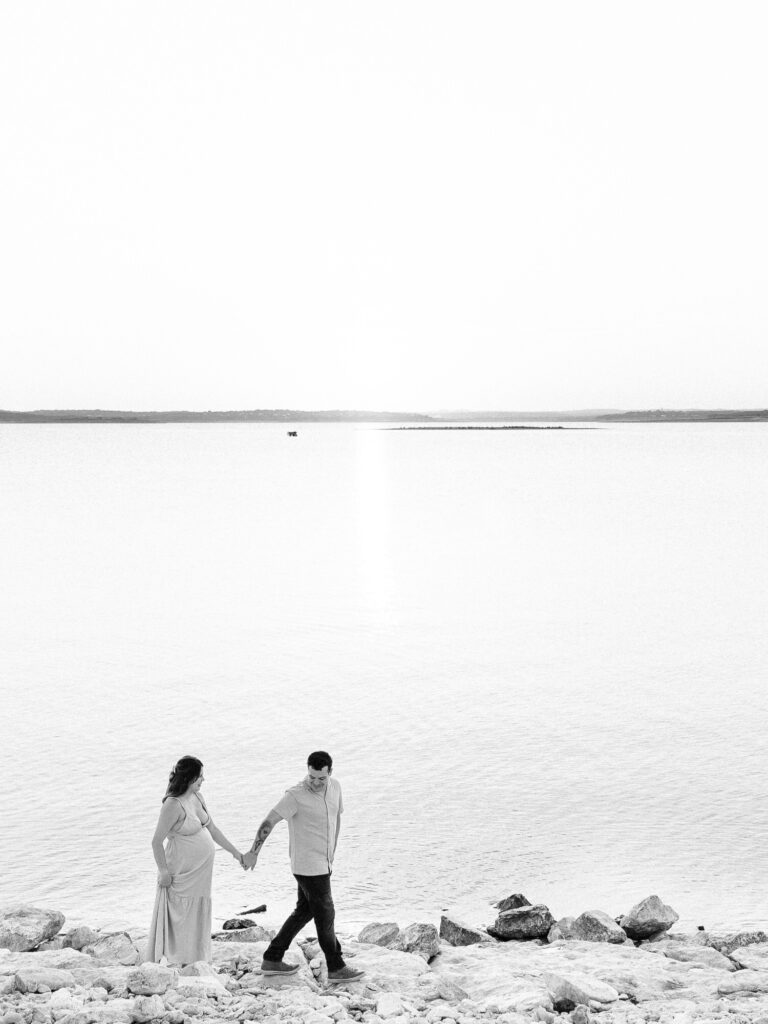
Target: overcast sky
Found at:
x=396, y=205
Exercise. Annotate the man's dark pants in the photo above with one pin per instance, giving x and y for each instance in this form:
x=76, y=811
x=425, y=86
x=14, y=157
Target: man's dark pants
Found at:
x=315, y=901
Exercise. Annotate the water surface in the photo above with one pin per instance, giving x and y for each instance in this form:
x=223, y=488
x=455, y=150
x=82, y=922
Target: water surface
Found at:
x=538, y=658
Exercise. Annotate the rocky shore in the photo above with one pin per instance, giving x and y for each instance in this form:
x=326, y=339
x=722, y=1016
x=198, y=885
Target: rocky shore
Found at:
x=523, y=967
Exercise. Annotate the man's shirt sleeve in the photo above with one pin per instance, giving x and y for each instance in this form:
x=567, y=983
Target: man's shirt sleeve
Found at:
x=287, y=805
x=341, y=802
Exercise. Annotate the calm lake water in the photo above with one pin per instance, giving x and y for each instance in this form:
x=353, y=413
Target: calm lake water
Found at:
x=539, y=659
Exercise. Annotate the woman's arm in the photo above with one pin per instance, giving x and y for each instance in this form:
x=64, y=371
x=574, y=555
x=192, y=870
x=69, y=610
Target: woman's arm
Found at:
x=170, y=813
x=218, y=836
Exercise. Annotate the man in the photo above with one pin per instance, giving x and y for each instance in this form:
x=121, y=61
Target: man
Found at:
x=313, y=811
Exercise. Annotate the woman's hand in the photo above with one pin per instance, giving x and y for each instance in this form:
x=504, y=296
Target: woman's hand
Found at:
x=239, y=858
x=164, y=879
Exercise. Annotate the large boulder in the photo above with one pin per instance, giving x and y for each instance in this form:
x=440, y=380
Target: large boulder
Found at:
x=513, y=902
x=524, y=923
x=726, y=943
x=692, y=953
x=43, y=979
x=388, y=970
x=150, y=979
x=116, y=947
x=421, y=939
x=743, y=981
x=459, y=934
x=23, y=927
x=597, y=926
x=753, y=957
x=648, y=917
x=385, y=933
x=574, y=989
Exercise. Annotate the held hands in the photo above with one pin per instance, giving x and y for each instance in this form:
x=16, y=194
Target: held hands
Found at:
x=249, y=861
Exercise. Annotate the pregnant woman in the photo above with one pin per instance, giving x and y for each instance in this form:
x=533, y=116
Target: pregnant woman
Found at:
x=181, y=922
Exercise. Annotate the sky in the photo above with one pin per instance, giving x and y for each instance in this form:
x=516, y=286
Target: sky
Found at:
x=405, y=205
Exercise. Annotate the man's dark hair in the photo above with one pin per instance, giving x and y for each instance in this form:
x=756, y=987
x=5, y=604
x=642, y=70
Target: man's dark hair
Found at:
x=320, y=759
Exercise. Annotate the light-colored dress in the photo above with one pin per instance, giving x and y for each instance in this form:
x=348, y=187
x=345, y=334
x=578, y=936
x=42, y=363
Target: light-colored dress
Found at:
x=181, y=921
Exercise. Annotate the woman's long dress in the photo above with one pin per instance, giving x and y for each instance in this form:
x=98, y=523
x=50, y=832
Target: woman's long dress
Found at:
x=181, y=921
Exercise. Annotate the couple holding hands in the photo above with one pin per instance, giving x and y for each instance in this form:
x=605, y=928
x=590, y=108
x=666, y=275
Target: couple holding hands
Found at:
x=184, y=845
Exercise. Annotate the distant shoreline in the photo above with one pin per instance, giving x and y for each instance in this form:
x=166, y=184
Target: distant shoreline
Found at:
x=443, y=420
x=474, y=427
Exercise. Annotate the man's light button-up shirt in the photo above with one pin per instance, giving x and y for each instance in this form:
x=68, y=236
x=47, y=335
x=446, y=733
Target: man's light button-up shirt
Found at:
x=312, y=819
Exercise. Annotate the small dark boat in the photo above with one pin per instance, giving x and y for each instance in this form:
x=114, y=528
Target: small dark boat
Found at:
x=293, y=433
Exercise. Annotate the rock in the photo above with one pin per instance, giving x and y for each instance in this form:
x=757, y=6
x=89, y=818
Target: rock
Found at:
x=459, y=934
x=253, y=934
x=692, y=953
x=57, y=942
x=389, y=1004
x=421, y=939
x=147, y=1008
x=23, y=927
x=44, y=979
x=199, y=969
x=150, y=979
x=206, y=986
x=647, y=917
x=450, y=991
x=575, y=988
x=513, y=902
x=698, y=938
x=726, y=943
x=82, y=936
x=545, y=1016
x=754, y=956
x=118, y=1011
x=387, y=969
x=111, y=977
x=382, y=934
x=438, y=1013
x=63, y=999
x=531, y=922
x=261, y=909
x=237, y=922
x=580, y=1015
x=744, y=981
x=562, y=929
x=597, y=926
x=116, y=947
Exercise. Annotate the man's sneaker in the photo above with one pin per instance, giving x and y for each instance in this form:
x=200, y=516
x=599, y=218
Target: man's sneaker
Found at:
x=278, y=967
x=344, y=974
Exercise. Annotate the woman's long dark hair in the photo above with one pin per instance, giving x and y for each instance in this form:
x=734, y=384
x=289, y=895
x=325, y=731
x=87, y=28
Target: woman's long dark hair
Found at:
x=183, y=774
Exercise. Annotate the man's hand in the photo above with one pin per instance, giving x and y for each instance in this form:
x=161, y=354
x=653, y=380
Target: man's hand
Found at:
x=249, y=860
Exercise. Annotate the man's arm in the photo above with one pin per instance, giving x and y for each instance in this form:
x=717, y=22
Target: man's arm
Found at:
x=264, y=829
x=338, y=829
